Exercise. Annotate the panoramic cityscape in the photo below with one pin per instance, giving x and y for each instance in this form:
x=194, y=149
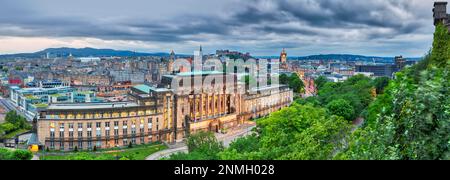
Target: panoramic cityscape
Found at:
x=234, y=80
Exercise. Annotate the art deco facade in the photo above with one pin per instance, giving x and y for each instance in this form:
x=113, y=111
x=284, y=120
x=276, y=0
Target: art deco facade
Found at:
x=164, y=113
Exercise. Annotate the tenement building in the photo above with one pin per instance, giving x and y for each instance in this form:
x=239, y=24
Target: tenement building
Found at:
x=166, y=113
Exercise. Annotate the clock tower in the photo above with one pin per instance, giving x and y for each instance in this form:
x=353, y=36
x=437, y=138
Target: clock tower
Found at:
x=283, y=60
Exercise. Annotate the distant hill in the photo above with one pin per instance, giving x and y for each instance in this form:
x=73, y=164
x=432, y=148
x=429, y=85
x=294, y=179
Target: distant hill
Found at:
x=83, y=52
x=86, y=52
x=344, y=57
x=350, y=57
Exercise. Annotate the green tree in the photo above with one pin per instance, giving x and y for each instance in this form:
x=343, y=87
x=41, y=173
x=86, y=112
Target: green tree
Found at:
x=14, y=122
x=380, y=83
x=440, y=54
x=22, y=155
x=18, y=154
x=320, y=82
x=284, y=79
x=298, y=132
x=296, y=83
x=201, y=146
x=8, y=127
x=203, y=141
x=411, y=120
x=341, y=107
x=5, y=154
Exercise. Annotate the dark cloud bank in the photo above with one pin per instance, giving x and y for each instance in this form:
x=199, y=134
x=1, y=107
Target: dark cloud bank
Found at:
x=297, y=24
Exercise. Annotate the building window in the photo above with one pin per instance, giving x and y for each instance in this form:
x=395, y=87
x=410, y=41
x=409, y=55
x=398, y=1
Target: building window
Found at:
x=71, y=134
x=70, y=125
x=107, y=124
x=125, y=142
x=150, y=126
x=80, y=125
x=99, y=144
x=89, y=125
x=125, y=131
x=89, y=134
x=116, y=123
x=116, y=141
x=124, y=123
x=80, y=134
x=116, y=132
x=61, y=134
x=107, y=133
x=80, y=145
x=133, y=131
x=89, y=145
x=52, y=134
x=61, y=126
x=61, y=146
x=52, y=145
x=98, y=133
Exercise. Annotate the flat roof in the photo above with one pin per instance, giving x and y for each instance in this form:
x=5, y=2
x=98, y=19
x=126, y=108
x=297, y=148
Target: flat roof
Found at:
x=147, y=88
x=84, y=106
x=38, y=89
x=143, y=88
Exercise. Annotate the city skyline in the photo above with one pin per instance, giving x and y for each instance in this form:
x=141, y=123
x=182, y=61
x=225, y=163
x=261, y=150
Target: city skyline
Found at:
x=261, y=27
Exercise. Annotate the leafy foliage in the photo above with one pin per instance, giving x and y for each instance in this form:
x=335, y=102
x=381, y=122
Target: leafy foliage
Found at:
x=201, y=146
x=18, y=154
x=293, y=81
x=441, y=47
x=297, y=132
x=380, y=83
x=341, y=108
x=138, y=152
x=320, y=82
x=357, y=91
x=412, y=119
x=14, y=122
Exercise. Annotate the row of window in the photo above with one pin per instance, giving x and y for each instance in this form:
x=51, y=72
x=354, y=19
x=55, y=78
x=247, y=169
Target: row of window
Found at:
x=107, y=132
x=101, y=115
x=99, y=125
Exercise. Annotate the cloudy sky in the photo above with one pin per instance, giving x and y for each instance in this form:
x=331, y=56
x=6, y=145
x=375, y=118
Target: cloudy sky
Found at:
x=261, y=27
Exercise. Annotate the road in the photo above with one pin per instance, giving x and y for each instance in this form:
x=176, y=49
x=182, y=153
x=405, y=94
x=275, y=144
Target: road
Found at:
x=226, y=139
x=4, y=102
x=357, y=123
x=236, y=133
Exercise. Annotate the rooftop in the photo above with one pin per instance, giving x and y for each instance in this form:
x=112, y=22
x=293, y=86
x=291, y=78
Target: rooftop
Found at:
x=40, y=89
x=147, y=88
x=84, y=106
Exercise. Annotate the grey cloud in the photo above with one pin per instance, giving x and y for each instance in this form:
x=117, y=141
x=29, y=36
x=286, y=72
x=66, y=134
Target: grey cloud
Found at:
x=316, y=20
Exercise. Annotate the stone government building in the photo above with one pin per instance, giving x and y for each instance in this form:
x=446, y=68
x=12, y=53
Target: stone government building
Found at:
x=157, y=114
